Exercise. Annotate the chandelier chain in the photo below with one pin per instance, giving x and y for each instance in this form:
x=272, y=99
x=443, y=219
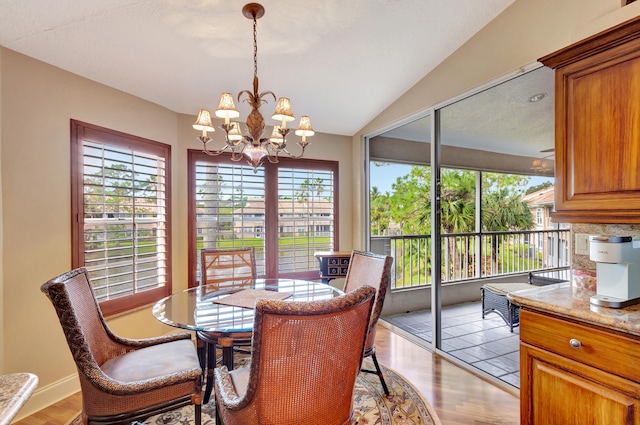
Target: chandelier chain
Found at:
x=255, y=47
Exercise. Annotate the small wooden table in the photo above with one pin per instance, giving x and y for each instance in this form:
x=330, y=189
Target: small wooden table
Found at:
x=333, y=264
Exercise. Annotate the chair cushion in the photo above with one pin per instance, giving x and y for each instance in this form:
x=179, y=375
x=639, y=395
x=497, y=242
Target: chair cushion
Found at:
x=505, y=288
x=154, y=361
x=240, y=379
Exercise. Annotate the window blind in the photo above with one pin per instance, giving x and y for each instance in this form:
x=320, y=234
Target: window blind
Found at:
x=305, y=217
x=230, y=209
x=286, y=211
x=125, y=220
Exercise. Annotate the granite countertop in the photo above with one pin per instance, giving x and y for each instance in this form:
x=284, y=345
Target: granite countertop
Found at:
x=562, y=299
x=15, y=390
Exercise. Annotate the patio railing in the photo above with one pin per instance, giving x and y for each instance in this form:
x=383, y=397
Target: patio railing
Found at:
x=467, y=256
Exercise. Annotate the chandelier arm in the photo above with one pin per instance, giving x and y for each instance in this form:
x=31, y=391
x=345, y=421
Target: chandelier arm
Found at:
x=210, y=152
x=237, y=156
x=295, y=156
x=274, y=159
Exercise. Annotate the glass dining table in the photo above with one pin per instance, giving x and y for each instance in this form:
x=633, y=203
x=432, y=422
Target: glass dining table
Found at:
x=205, y=307
x=228, y=308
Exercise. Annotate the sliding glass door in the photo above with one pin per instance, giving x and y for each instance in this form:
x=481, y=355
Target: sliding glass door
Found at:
x=488, y=151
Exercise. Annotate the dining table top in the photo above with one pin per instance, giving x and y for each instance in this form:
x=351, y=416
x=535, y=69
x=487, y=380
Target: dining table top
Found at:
x=228, y=307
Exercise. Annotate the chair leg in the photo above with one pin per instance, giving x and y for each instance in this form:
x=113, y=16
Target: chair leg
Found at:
x=198, y=414
x=379, y=373
x=201, y=347
x=218, y=417
x=211, y=364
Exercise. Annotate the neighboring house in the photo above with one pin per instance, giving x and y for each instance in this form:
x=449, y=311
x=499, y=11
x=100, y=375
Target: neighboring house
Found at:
x=295, y=217
x=541, y=204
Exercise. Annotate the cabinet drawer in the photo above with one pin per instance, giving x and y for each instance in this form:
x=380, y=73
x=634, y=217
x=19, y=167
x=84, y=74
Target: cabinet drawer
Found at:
x=594, y=346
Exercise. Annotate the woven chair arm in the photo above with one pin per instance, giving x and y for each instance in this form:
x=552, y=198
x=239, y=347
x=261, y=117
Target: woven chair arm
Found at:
x=148, y=342
x=111, y=386
x=228, y=394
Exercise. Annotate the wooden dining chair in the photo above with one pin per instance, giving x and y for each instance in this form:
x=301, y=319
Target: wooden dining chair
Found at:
x=220, y=268
x=367, y=268
x=122, y=380
x=305, y=360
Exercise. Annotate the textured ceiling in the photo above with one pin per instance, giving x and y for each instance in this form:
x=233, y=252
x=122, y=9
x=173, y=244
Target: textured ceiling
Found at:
x=499, y=119
x=341, y=62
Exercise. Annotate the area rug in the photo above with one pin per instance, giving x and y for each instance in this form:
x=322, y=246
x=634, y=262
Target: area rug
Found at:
x=404, y=405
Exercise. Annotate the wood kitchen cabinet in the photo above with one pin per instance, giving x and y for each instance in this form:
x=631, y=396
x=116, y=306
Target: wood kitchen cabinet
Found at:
x=597, y=146
x=576, y=373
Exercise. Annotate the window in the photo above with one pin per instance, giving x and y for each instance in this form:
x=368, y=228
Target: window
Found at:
x=120, y=197
x=286, y=211
x=539, y=217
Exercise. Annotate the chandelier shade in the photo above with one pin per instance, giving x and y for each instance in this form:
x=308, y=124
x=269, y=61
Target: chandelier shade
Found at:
x=250, y=144
x=226, y=108
x=203, y=122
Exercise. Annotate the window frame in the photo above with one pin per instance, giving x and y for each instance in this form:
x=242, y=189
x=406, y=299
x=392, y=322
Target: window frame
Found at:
x=81, y=131
x=539, y=217
x=270, y=229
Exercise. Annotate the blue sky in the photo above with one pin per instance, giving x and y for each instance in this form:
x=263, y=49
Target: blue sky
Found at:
x=384, y=177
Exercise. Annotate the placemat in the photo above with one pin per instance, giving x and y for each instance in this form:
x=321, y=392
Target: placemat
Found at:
x=247, y=297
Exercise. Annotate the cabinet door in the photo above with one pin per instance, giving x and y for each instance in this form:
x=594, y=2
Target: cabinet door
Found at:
x=555, y=390
x=598, y=127
x=599, y=149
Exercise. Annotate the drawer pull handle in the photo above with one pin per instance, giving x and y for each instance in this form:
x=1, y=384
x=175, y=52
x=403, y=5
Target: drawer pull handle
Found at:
x=575, y=343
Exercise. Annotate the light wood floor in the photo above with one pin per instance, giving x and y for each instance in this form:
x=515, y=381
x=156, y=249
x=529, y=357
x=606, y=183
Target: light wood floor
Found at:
x=459, y=397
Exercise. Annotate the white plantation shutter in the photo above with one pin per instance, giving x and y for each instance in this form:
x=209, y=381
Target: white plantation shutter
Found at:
x=230, y=209
x=305, y=217
x=286, y=211
x=122, y=234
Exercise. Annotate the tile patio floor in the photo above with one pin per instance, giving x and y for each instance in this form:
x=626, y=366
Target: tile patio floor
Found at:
x=485, y=344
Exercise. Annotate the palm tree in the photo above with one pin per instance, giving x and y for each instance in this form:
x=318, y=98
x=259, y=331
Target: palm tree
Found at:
x=379, y=206
x=409, y=205
x=457, y=204
x=503, y=211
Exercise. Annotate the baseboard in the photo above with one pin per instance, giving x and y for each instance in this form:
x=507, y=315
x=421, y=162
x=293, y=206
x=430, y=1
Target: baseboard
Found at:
x=46, y=396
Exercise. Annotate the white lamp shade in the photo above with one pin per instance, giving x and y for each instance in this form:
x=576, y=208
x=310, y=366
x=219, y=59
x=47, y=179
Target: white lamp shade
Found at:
x=235, y=134
x=276, y=136
x=226, y=108
x=283, y=111
x=304, y=128
x=203, y=122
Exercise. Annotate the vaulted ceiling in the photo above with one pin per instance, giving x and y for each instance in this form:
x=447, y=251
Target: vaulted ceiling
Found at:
x=341, y=62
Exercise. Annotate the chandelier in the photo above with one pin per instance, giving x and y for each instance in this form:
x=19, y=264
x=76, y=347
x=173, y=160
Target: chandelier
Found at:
x=250, y=143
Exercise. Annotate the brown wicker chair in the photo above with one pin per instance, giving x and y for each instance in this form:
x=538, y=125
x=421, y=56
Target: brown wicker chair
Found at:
x=219, y=267
x=366, y=268
x=290, y=381
x=122, y=380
